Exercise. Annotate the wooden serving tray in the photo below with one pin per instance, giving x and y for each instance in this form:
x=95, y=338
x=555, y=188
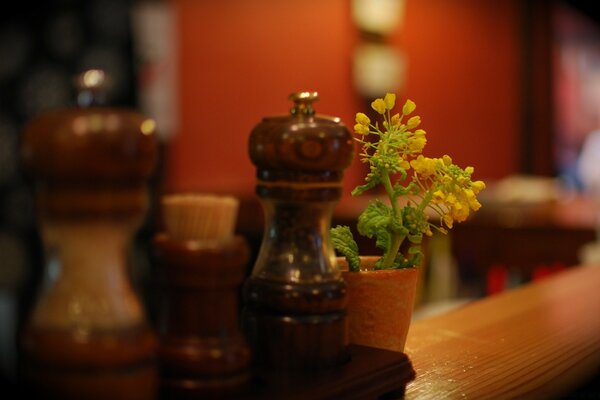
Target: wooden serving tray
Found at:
x=369, y=374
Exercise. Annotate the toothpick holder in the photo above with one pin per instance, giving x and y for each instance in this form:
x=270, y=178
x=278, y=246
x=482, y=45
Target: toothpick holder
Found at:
x=202, y=350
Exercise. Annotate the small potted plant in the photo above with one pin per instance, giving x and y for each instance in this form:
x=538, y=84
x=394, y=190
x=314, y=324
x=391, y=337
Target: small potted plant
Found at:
x=422, y=195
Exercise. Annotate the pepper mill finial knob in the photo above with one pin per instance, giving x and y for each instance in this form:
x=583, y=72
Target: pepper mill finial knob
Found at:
x=92, y=86
x=303, y=102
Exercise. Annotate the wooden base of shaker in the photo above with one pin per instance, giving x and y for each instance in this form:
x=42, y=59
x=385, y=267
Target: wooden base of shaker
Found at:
x=369, y=374
x=56, y=383
x=296, y=342
x=117, y=364
x=228, y=387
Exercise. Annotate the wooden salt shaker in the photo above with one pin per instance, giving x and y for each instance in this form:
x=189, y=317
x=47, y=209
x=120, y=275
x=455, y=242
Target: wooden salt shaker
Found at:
x=88, y=337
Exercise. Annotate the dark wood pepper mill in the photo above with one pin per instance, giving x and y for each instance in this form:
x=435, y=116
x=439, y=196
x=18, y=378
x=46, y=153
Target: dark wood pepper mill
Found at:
x=294, y=311
x=88, y=337
x=201, y=267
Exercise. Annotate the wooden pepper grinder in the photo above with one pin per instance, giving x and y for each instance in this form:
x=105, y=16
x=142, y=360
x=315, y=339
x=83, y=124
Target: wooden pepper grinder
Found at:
x=295, y=299
x=88, y=337
x=201, y=267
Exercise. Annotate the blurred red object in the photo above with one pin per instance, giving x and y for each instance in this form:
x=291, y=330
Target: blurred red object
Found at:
x=497, y=278
x=544, y=271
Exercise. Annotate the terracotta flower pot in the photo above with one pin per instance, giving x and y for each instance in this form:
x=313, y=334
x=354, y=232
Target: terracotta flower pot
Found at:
x=380, y=304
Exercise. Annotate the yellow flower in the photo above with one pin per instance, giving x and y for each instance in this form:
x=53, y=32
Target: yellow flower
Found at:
x=478, y=186
x=474, y=204
x=424, y=166
x=469, y=194
x=395, y=119
x=417, y=144
x=362, y=119
x=379, y=106
x=439, y=196
x=448, y=220
x=408, y=107
x=389, y=100
x=445, y=179
x=451, y=200
x=447, y=160
x=460, y=212
x=413, y=122
x=361, y=129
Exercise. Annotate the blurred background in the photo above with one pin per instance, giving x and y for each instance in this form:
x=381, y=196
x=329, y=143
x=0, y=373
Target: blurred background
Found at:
x=509, y=87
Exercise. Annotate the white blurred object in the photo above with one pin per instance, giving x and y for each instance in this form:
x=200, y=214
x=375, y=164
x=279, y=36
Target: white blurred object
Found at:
x=154, y=32
x=523, y=189
x=443, y=271
x=589, y=253
x=378, y=69
x=378, y=16
x=588, y=170
x=588, y=166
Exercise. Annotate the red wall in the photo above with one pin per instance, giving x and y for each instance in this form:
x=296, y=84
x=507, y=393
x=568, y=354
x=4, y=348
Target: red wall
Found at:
x=463, y=74
x=239, y=60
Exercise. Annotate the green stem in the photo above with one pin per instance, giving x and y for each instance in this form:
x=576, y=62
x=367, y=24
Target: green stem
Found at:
x=396, y=240
x=390, y=256
x=426, y=200
x=387, y=184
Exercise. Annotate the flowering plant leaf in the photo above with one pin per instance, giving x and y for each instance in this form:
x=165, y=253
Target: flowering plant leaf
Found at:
x=342, y=240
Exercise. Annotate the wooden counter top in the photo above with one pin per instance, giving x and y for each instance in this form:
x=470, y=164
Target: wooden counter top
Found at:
x=540, y=341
